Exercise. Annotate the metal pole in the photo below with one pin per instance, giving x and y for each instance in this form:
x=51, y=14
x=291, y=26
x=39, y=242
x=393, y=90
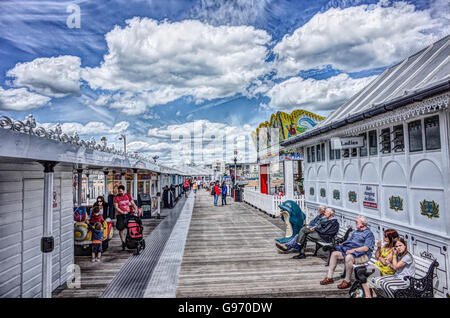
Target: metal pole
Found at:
x=47, y=241
x=88, y=190
x=135, y=184
x=124, y=180
x=105, y=189
x=80, y=186
x=145, y=186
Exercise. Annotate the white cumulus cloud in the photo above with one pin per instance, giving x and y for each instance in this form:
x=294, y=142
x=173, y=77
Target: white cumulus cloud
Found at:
x=20, y=99
x=200, y=141
x=91, y=128
x=158, y=62
x=53, y=77
x=314, y=94
x=357, y=38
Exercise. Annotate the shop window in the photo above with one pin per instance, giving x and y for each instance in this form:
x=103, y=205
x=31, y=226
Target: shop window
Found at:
x=415, y=136
x=373, y=143
x=331, y=151
x=432, y=136
x=398, y=139
x=385, y=137
x=338, y=154
x=313, y=155
x=318, y=153
x=323, y=152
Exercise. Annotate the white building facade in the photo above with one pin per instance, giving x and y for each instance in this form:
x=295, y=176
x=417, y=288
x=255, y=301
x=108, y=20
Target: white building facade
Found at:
x=400, y=177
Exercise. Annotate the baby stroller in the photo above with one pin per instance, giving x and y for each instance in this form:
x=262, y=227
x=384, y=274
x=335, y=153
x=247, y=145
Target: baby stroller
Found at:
x=135, y=238
x=361, y=275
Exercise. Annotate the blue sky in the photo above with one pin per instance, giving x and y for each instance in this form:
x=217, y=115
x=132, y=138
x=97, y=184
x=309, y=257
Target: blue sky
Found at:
x=145, y=67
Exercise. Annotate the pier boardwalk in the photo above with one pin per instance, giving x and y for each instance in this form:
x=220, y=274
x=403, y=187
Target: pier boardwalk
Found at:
x=95, y=277
x=230, y=252
x=199, y=250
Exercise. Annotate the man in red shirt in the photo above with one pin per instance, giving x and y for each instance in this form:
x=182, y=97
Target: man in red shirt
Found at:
x=122, y=203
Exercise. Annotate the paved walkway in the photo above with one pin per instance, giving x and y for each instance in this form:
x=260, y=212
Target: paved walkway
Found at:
x=230, y=252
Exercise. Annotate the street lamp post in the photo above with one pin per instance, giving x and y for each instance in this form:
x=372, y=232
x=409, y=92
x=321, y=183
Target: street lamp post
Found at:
x=235, y=169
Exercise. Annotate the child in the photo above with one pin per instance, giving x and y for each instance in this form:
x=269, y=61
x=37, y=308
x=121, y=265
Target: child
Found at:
x=96, y=216
x=97, y=238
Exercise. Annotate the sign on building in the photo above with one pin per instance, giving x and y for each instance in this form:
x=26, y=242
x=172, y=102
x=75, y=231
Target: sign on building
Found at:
x=370, y=196
x=347, y=142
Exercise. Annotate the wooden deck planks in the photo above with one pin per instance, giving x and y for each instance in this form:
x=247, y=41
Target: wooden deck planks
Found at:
x=95, y=277
x=230, y=252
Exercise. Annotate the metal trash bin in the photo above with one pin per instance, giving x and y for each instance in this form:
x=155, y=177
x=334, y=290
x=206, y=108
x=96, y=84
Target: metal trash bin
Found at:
x=237, y=194
x=145, y=202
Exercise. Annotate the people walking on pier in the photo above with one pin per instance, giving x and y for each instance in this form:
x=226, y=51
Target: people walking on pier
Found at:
x=292, y=244
x=356, y=250
x=186, y=187
x=216, y=192
x=195, y=187
x=122, y=203
x=224, y=193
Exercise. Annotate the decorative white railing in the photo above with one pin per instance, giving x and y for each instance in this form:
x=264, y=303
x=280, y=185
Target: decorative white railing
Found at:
x=29, y=126
x=259, y=200
x=270, y=203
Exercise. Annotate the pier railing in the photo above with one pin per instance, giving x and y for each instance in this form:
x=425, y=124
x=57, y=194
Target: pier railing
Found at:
x=269, y=203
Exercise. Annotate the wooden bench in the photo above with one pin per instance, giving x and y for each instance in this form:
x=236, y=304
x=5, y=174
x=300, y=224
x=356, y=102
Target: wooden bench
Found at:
x=342, y=235
x=421, y=285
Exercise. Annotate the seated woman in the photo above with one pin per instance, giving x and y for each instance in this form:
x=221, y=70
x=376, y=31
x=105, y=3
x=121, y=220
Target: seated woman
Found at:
x=383, y=256
x=403, y=265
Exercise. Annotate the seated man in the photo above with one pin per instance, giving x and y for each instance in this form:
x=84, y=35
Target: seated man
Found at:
x=324, y=232
x=292, y=244
x=356, y=250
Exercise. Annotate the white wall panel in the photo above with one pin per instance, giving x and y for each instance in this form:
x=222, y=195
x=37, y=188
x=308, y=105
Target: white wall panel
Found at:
x=21, y=215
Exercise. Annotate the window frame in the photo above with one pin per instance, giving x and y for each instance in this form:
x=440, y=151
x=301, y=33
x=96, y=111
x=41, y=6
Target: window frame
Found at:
x=365, y=146
x=384, y=140
x=375, y=152
x=421, y=135
x=331, y=154
x=425, y=132
x=394, y=136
